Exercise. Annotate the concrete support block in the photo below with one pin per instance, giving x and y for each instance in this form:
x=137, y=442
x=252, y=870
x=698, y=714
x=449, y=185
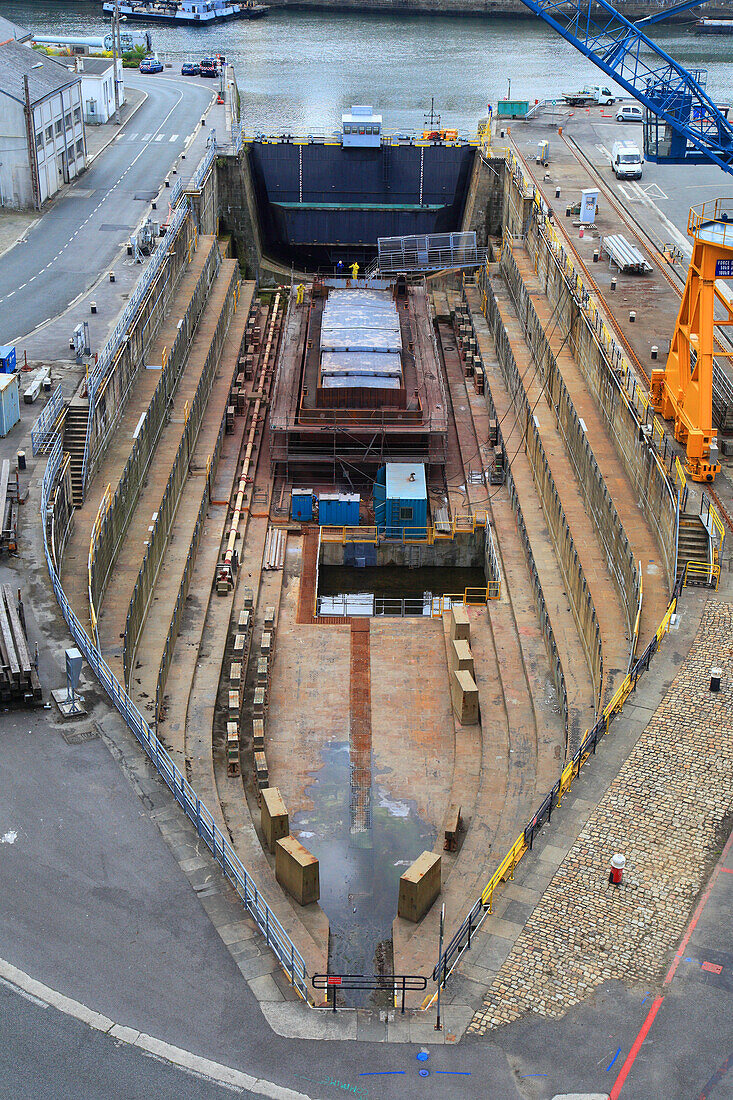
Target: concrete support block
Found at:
x=296, y=869
x=419, y=887
x=258, y=733
x=232, y=748
x=269, y=623
x=263, y=672
x=244, y=621
x=258, y=703
x=234, y=704
x=239, y=643
x=461, y=657
x=273, y=817
x=464, y=696
x=262, y=771
x=460, y=624
x=266, y=644
x=235, y=676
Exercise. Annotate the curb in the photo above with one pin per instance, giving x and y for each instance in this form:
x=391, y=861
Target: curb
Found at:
x=118, y=130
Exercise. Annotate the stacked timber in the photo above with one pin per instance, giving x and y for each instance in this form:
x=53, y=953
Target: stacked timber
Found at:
x=274, y=554
x=19, y=681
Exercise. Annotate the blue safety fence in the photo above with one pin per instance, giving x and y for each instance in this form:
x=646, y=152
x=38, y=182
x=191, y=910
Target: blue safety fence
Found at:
x=45, y=428
x=255, y=904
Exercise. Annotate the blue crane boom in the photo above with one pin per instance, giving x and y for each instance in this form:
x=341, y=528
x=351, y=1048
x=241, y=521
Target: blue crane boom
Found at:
x=684, y=125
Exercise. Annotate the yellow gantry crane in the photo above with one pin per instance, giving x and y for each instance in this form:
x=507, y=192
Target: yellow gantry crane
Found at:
x=683, y=391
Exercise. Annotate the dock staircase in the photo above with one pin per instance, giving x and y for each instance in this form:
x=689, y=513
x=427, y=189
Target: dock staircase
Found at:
x=75, y=432
x=694, y=546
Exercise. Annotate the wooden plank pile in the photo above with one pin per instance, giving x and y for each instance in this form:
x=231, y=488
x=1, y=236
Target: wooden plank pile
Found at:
x=19, y=681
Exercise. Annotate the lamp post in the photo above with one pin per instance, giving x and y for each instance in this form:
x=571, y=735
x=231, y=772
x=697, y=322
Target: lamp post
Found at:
x=115, y=54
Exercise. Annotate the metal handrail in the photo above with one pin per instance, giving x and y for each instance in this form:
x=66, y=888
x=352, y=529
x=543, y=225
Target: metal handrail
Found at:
x=275, y=935
x=44, y=429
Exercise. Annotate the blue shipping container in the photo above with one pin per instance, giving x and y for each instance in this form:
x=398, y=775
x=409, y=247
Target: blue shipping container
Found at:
x=301, y=504
x=9, y=402
x=338, y=509
x=7, y=359
x=407, y=497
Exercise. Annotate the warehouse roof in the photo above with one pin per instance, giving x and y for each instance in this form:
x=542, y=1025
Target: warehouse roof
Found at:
x=45, y=75
x=9, y=30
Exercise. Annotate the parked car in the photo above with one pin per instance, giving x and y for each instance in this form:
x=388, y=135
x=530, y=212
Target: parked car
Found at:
x=630, y=112
x=151, y=65
x=190, y=68
x=209, y=66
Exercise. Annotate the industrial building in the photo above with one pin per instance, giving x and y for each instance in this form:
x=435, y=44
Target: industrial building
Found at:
x=41, y=126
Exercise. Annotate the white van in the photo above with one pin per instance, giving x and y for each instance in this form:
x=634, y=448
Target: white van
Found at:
x=630, y=112
x=626, y=160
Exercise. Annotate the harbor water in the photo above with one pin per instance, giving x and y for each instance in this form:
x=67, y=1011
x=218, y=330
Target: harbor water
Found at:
x=298, y=70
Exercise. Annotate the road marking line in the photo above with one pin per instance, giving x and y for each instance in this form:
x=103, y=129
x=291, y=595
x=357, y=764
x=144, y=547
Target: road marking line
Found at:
x=173, y=137
x=147, y=137
x=20, y=982
x=159, y=137
x=626, y=1067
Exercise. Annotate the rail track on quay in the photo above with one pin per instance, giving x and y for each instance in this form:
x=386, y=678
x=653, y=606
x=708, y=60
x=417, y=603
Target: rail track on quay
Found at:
x=722, y=385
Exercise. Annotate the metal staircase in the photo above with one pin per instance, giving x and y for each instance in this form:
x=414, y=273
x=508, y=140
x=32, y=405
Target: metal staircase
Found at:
x=693, y=546
x=75, y=431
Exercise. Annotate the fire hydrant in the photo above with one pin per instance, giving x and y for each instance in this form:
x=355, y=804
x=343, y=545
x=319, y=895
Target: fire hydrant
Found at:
x=618, y=862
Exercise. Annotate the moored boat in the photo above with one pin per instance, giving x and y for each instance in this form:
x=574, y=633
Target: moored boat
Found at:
x=190, y=13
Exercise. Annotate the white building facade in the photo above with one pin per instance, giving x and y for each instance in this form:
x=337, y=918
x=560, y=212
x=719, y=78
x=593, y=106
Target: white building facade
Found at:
x=41, y=126
x=98, y=88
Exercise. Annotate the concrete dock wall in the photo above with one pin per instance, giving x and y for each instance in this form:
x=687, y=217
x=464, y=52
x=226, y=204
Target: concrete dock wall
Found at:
x=464, y=551
x=579, y=595
x=237, y=206
x=598, y=357
x=599, y=504
x=131, y=358
x=124, y=500
x=165, y=514
x=484, y=204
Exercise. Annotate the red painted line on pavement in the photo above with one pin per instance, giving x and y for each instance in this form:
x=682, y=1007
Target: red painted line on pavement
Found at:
x=698, y=911
x=727, y=870
x=631, y=1057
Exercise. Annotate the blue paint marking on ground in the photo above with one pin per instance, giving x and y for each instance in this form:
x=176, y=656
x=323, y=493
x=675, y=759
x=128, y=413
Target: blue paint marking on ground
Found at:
x=526, y=1076
x=457, y=1072
x=381, y=1073
x=422, y=1056
x=613, y=1059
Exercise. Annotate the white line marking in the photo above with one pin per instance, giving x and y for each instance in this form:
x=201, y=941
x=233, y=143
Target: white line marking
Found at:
x=22, y=983
x=147, y=137
x=159, y=137
x=173, y=137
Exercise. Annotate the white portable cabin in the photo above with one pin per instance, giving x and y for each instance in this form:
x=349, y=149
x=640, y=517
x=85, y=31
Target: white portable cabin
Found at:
x=361, y=127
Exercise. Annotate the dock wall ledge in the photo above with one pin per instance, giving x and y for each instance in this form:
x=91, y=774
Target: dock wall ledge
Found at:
x=601, y=361
x=114, y=517
x=111, y=399
x=619, y=556
x=166, y=512
x=578, y=591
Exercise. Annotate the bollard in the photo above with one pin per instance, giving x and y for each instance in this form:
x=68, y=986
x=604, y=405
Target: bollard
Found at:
x=581, y=231
x=715, y=677
x=618, y=862
x=596, y=254
x=632, y=315
x=655, y=351
x=21, y=460
x=167, y=182
x=557, y=192
x=111, y=276
x=93, y=307
x=613, y=283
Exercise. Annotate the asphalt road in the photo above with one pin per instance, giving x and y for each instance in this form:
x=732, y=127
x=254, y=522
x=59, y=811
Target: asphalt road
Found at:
x=81, y=233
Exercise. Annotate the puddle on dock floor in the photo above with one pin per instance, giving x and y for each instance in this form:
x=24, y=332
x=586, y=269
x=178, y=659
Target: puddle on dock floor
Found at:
x=359, y=871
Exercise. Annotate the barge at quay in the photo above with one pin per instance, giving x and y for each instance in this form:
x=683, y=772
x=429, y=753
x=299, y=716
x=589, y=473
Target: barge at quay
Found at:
x=187, y=13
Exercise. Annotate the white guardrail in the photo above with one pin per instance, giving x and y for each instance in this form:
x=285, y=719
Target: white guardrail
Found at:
x=44, y=429
x=275, y=935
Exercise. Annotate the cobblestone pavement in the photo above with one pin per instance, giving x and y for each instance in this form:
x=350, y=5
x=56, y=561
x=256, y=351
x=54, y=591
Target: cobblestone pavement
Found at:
x=664, y=811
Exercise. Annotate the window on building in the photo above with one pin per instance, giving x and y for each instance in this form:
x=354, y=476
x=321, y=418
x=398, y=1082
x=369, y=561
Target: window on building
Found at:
x=49, y=133
x=347, y=128
x=59, y=125
x=71, y=155
x=80, y=147
x=77, y=114
x=67, y=120
x=39, y=141
x=406, y=514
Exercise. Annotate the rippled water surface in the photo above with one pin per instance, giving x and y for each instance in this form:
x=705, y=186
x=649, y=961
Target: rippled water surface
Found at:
x=298, y=70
